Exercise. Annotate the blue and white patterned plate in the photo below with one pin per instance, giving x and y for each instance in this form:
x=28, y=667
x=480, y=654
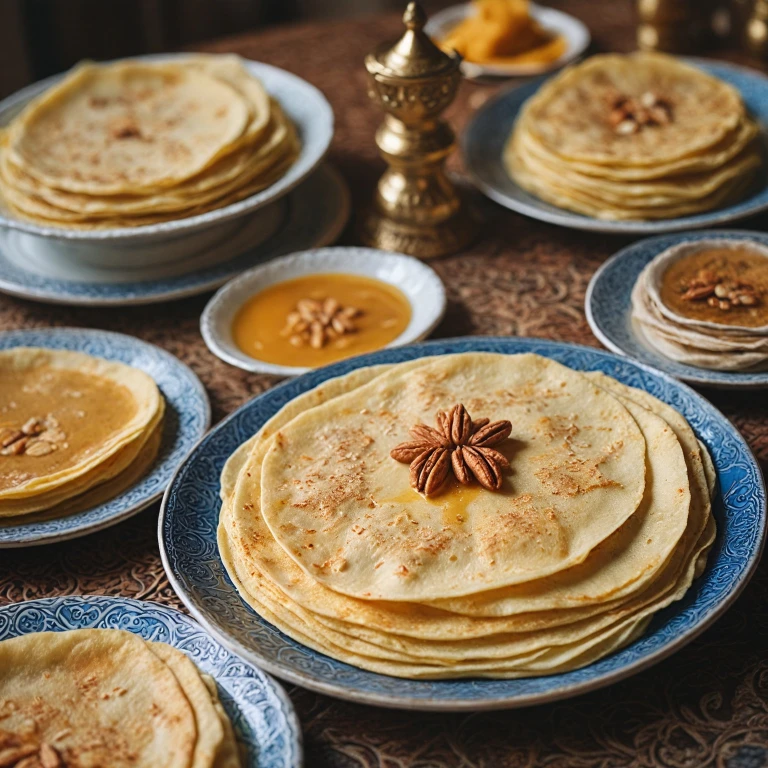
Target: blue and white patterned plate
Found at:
x=317, y=211
x=261, y=713
x=187, y=417
x=483, y=147
x=190, y=512
x=608, y=305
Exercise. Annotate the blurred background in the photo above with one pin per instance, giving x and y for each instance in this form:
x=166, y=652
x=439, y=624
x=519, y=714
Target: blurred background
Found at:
x=42, y=37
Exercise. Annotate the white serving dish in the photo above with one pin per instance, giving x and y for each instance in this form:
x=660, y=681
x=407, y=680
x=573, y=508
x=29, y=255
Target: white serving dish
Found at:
x=178, y=240
x=315, y=213
x=574, y=31
x=419, y=283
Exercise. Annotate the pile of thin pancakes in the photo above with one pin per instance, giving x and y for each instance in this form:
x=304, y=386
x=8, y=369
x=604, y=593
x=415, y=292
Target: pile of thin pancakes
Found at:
x=640, y=136
x=136, y=143
x=735, y=341
x=75, y=431
x=103, y=697
x=602, y=519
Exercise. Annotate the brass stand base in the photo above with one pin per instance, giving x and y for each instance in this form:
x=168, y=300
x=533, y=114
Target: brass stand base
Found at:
x=422, y=241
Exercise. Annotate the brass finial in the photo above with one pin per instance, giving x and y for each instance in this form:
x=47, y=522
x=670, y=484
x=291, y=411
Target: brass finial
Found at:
x=416, y=209
x=414, y=16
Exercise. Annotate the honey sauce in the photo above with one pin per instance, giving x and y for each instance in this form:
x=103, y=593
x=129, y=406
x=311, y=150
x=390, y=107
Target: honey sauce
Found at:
x=453, y=501
x=731, y=275
x=87, y=410
x=364, y=314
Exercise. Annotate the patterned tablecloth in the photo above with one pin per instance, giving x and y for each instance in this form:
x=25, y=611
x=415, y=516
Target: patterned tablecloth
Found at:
x=706, y=706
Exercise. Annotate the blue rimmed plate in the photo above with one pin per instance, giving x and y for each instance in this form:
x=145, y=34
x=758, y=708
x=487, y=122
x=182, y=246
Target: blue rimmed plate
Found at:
x=187, y=417
x=265, y=723
x=190, y=511
x=316, y=212
x=608, y=305
x=486, y=135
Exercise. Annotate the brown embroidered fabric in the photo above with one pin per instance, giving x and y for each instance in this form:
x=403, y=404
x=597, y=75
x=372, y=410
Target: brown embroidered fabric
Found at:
x=706, y=707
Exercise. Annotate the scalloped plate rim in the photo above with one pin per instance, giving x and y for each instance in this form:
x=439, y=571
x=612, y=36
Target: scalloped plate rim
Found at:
x=476, y=704
x=292, y=725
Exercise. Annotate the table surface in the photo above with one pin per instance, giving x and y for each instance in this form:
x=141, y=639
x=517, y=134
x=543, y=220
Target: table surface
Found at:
x=706, y=706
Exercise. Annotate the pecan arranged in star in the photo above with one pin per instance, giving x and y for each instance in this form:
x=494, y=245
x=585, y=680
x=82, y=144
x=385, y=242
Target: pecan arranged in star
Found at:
x=459, y=445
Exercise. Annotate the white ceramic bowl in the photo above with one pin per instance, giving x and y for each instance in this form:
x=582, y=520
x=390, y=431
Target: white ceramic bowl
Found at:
x=418, y=282
x=176, y=240
x=573, y=30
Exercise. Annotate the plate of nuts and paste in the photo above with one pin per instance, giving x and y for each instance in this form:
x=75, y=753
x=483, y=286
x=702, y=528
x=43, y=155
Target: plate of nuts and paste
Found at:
x=693, y=305
x=317, y=307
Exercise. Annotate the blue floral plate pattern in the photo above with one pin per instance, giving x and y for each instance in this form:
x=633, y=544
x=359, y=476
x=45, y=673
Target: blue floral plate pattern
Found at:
x=263, y=717
x=187, y=417
x=608, y=305
x=486, y=135
x=190, y=511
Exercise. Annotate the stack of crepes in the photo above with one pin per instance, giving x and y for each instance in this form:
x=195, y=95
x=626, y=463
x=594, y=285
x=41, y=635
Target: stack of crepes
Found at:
x=102, y=697
x=642, y=136
x=737, y=340
x=75, y=430
x=603, y=519
x=137, y=143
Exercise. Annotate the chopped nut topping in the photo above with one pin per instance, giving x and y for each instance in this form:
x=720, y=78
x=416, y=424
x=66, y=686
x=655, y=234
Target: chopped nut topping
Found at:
x=315, y=323
x=719, y=292
x=37, y=437
x=458, y=444
x=628, y=115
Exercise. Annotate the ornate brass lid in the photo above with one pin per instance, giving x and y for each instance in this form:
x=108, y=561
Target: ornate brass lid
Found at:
x=414, y=55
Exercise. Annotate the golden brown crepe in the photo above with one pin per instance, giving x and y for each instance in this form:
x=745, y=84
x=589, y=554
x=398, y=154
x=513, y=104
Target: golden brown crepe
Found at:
x=635, y=137
x=94, y=697
x=136, y=143
x=541, y=625
x=71, y=423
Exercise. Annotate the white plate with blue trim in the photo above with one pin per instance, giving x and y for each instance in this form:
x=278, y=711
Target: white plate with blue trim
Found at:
x=262, y=716
x=313, y=215
x=187, y=418
x=608, y=305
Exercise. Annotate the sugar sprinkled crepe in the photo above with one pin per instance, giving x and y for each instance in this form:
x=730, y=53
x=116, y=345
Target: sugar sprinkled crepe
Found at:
x=642, y=136
x=107, y=697
x=136, y=143
x=542, y=625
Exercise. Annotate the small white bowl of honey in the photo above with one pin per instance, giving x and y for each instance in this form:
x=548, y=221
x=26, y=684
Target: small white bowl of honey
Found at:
x=316, y=307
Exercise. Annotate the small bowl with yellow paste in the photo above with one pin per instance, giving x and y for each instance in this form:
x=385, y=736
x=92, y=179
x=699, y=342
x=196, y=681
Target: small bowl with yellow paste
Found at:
x=316, y=307
x=508, y=38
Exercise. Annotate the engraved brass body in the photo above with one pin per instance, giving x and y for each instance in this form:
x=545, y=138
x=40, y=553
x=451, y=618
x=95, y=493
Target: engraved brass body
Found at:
x=416, y=209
